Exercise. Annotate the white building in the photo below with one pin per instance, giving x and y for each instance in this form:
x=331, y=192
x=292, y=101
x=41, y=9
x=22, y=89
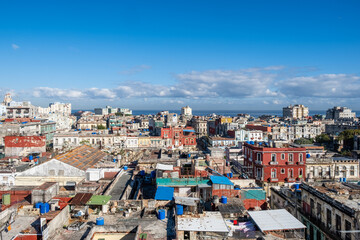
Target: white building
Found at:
x=340, y=113
x=295, y=112
x=186, y=111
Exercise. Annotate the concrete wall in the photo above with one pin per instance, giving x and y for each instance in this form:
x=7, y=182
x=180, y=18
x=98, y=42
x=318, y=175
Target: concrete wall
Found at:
x=53, y=168
x=37, y=181
x=59, y=221
x=44, y=195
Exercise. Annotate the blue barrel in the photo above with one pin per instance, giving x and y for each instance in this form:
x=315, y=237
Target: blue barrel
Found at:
x=100, y=221
x=38, y=204
x=224, y=199
x=252, y=142
x=125, y=168
x=341, y=179
x=344, y=179
x=162, y=214
x=307, y=155
x=142, y=173
x=114, y=160
x=42, y=208
x=47, y=207
x=153, y=174
x=31, y=157
x=179, y=209
x=231, y=175
x=296, y=186
x=189, y=155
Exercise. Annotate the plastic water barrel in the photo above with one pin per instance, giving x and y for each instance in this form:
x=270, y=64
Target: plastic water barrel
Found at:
x=114, y=160
x=153, y=174
x=162, y=214
x=100, y=221
x=224, y=199
x=341, y=179
x=125, y=168
x=42, y=208
x=179, y=209
x=344, y=179
x=31, y=157
x=231, y=175
x=47, y=207
x=38, y=204
x=307, y=155
x=296, y=186
x=142, y=173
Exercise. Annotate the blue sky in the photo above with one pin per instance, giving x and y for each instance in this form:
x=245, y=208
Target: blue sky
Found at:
x=166, y=54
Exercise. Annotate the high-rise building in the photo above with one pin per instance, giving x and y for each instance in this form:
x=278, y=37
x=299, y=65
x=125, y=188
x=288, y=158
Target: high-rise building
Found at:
x=186, y=111
x=340, y=113
x=297, y=111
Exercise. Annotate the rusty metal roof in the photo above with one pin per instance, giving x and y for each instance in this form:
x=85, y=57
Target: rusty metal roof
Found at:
x=81, y=199
x=82, y=157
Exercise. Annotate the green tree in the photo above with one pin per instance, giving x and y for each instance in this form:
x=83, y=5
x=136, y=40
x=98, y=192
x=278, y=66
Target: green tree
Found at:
x=347, y=137
x=304, y=141
x=101, y=127
x=323, y=138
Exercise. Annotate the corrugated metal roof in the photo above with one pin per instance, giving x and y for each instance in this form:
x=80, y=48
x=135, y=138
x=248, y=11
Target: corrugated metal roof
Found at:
x=81, y=199
x=164, y=193
x=220, y=180
x=82, y=157
x=275, y=220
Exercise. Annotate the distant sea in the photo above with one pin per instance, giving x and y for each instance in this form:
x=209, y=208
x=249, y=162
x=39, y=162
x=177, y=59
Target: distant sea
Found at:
x=231, y=113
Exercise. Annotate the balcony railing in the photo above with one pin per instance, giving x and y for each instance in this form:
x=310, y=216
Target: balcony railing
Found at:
x=273, y=163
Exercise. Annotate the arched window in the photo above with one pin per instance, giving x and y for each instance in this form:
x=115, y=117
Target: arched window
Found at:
x=301, y=157
x=258, y=156
x=273, y=173
x=273, y=157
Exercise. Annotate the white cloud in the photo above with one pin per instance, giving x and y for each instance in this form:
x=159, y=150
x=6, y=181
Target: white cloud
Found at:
x=14, y=46
x=255, y=85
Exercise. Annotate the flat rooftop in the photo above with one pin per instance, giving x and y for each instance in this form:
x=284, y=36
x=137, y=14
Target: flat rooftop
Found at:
x=275, y=220
x=206, y=222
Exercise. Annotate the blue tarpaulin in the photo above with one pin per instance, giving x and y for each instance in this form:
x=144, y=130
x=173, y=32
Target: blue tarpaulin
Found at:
x=220, y=180
x=164, y=193
x=188, y=130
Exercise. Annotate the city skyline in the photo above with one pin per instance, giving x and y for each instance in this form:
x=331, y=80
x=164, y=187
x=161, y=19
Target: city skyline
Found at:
x=161, y=55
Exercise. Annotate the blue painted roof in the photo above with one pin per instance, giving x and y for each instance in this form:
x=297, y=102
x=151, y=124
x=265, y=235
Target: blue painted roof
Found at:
x=188, y=130
x=220, y=180
x=164, y=193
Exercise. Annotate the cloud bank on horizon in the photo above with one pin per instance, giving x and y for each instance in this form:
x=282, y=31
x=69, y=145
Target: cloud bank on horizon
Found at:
x=268, y=85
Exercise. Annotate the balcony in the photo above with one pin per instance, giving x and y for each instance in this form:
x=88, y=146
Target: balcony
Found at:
x=273, y=163
x=258, y=162
x=300, y=163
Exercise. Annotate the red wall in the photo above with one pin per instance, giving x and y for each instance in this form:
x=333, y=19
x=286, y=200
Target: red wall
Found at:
x=25, y=141
x=230, y=193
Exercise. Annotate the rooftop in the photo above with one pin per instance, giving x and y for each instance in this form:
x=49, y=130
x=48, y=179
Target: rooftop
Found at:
x=275, y=220
x=82, y=157
x=181, y=181
x=99, y=200
x=206, y=222
x=164, y=193
x=220, y=180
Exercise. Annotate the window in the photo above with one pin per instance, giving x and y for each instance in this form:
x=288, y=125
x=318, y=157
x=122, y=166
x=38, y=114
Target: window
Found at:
x=52, y=172
x=273, y=157
x=258, y=157
x=301, y=157
x=291, y=173
x=337, y=169
x=300, y=173
x=291, y=157
x=347, y=228
x=328, y=217
x=282, y=171
x=273, y=173
x=61, y=173
x=338, y=225
x=318, y=211
x=283, y=156
x=352, y=170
